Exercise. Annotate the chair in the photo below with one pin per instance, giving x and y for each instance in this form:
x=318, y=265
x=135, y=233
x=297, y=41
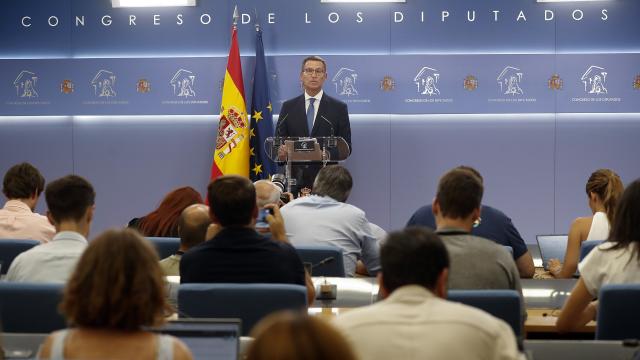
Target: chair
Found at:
x=30, y=307
x=249, y=302
x=10, y=248
x=165, y=246
x=319, y=258
x=503, y=304
x=618, y=316
x=587, y=246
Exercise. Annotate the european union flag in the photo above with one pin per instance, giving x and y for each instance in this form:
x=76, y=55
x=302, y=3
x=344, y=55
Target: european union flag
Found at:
x=261, y=167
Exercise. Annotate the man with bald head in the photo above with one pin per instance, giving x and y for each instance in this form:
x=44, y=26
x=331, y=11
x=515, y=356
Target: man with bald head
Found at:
x=267, y=193
x=192, y=227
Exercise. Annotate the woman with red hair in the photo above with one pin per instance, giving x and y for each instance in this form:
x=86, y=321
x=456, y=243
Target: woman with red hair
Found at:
x=163, y=221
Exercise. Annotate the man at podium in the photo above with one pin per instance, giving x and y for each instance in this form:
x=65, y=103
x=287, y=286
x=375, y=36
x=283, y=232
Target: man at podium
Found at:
x=313, y=114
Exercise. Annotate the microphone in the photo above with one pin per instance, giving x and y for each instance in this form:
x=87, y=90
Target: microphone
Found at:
x=280, y=122
x=324, y=261
x=330, y=125
x=332, y=141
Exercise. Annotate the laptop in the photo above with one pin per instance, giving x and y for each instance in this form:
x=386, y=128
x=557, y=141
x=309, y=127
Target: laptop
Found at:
x=208, y=339
x=551, y=247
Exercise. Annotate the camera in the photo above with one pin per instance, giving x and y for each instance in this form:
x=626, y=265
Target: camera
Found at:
x=280, y=181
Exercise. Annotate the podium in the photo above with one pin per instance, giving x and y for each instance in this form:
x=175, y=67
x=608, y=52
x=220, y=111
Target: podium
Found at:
x=314, y=153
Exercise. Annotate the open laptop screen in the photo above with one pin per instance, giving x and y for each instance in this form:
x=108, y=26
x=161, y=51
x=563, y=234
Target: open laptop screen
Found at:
x=551, y=247
x=210, y=339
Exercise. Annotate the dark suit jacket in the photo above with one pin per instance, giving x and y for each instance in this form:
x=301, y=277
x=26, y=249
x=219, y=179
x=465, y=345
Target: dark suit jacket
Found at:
x=293, y=119
x=241, y=255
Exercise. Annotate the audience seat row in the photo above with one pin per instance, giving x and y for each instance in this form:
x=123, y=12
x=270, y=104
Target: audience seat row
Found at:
x=33, y=308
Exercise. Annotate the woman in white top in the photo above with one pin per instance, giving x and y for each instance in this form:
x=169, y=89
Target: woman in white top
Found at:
x=116, y=289
x=613, y=262
x=603, y=188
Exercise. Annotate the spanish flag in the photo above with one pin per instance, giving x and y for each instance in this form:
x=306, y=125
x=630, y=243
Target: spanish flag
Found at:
x=232, y=144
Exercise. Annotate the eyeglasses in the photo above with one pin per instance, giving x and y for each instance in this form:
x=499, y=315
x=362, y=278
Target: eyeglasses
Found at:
x=477, y=222
x=309, y=71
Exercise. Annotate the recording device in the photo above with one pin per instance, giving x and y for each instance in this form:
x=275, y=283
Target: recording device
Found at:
x=261, y=222
x=280, y=181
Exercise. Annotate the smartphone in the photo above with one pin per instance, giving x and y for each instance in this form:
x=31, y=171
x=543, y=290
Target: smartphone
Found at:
x=261, y=222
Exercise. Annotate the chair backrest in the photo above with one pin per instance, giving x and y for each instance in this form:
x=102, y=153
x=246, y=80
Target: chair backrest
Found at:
x=503, y=304
x=249, y=302
x=165, y=246
x=30, y=307
x=325, y=260
x=618, y=316
x=10, y=248
x=587, y=246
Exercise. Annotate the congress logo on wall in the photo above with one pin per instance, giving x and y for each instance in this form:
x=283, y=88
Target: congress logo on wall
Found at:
x=509, y=81
x=66, y=86
x=594, y=80
x=387, y=84
x=183, y=83
x=636, y=83
x=25, y=84
x=345, y=82
x=555, y=82
x=470, y=83
x=427, y=80
x=143, y=86
x=104, y=84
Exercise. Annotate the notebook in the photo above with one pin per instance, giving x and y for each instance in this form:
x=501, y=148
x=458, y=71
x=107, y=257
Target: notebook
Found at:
x=551, y=247
x=210, y=339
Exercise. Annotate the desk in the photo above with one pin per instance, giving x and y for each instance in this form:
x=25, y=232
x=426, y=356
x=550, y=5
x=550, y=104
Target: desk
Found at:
x=538, y=320
x=354, y=292
x=544, y=321
x=540, y=297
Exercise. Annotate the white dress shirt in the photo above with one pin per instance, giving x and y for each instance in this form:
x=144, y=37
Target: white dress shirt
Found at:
x=412, y=323
x=52, y=262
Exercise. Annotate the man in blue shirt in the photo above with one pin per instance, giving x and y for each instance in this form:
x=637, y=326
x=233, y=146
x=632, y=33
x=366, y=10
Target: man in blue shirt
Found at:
x=324, y=218
x=494, y=225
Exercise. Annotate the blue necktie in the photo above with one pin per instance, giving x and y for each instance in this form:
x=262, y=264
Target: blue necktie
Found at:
x=310, y=112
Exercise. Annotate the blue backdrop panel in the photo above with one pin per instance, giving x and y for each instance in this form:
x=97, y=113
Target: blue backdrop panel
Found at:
x=415, y=84
x=45, y=141
x=585, y=143
x=133, y=163
x=518, y=175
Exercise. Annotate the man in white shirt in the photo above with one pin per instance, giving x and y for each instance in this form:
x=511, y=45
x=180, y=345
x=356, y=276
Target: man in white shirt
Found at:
x=70, y=200
x=414, y=321
x=22, y=185
x=325, y=219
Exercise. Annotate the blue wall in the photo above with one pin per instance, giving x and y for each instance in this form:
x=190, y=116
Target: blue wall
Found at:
x=535, y=155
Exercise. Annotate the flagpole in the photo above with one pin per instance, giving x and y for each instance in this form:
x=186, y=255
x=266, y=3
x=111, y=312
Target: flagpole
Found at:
x=236, y=16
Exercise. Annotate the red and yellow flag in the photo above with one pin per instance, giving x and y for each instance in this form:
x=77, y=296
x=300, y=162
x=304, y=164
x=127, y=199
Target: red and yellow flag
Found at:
x=232, y=144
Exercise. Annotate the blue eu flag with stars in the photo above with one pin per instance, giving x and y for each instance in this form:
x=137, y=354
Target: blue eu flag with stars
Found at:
x=261, y=167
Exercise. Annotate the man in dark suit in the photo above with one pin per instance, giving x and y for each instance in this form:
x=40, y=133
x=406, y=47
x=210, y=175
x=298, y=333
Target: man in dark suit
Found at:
x=237, y=253
x=313, y=114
